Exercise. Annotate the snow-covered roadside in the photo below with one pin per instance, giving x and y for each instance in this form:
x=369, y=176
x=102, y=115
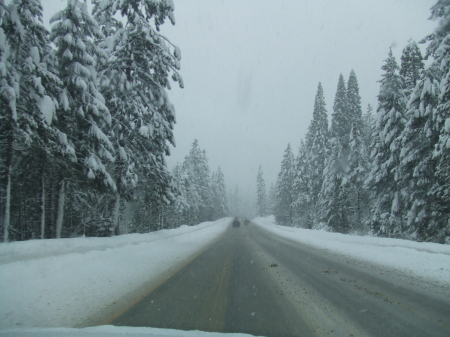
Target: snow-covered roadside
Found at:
x=428, y=260
x=108, y=330
x=61, y=283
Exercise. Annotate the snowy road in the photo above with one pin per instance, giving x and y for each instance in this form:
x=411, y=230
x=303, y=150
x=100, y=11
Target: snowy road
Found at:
x=254, y=282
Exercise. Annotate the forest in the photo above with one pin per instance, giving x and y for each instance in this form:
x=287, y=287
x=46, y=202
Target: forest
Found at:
x=385, y=173
x=86, y=125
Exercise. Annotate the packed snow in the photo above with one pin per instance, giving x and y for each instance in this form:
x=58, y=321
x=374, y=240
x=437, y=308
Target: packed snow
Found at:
x=425, y=259
x=62, y=283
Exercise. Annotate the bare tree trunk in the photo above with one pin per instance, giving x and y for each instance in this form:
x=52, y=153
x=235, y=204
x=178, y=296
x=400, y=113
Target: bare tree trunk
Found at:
x=7, y=209
x=116, y=214
x=42, y=203
x=60, y=211
x=358, y=218
x=7, y=216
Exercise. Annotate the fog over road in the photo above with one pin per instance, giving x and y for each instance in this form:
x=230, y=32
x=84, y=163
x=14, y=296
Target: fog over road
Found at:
x=253, y=282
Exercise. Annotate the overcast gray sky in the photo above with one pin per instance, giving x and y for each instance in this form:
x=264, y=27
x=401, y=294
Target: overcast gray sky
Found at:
x=251, y=70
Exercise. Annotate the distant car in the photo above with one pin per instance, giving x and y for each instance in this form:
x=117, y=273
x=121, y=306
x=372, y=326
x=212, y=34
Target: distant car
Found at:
x=246, y=222
x=236, y=223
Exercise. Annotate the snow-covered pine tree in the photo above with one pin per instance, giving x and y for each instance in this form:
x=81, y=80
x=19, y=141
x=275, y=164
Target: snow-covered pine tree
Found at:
x=285, y=195
x=417, y=163
x=219, y=195
x=388, y=212
x=36, y=104
x=439, y=230
x=411, y=67
x=271, y=199
x=9, y=89
x=206, y=208
x=192, y=195
x=180, y=206
x=304, y=209
x=317, y=150
x=334, y=200
x=85, y=117
x=354, y=112
x=134, y=81
x=430, y=213
x=261, y=194
x=368, y=127
x=357, y=160
x=358, y=169
x=341, y=120
x=198, y=170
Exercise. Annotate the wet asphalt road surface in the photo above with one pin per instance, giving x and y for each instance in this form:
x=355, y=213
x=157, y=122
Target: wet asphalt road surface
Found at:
x=252, y=282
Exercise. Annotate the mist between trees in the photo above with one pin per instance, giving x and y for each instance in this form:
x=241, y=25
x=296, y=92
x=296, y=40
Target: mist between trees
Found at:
x=385, y=173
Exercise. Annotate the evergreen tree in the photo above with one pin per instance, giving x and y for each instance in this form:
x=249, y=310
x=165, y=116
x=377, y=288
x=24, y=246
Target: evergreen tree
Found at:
x=180, y=206
x=334, y=199
x=358, y=169
x=302, y=189
x=85, y=117
x=192, y=195
x=37, y=104
x=9, y=90
x=271, y=199
x=439, y=229
x=412, y=66
x=368, y=127
x=199, y=176
x=33, y=100
x=219, y=195
x=357, y=161
x=354, y=111
x=316, y=152
x=418, y=166
x=261, y=201
x=341, y=120
x=285, y=196
x=384, y=175
x=425, y=147
x=143, y=117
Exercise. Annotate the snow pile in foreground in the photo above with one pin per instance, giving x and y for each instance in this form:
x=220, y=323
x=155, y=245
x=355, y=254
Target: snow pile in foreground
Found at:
x=109, y=330
x=425, y=259
x=62, y=283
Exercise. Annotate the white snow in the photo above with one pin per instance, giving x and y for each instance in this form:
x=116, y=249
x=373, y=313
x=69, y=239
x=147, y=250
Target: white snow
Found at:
x=47, y=108
x=61, y=283
x=447, y=125
x=144, y=131
x=109, y=330
x=425, y=259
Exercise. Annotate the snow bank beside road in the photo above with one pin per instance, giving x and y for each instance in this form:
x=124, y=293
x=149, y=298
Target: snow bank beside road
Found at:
x=428, y=260
x=112, y=331
x=61, y=283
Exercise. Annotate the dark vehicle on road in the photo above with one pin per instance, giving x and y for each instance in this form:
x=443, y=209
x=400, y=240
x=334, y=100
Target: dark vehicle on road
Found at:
x=246, y=222
x=236, y=223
